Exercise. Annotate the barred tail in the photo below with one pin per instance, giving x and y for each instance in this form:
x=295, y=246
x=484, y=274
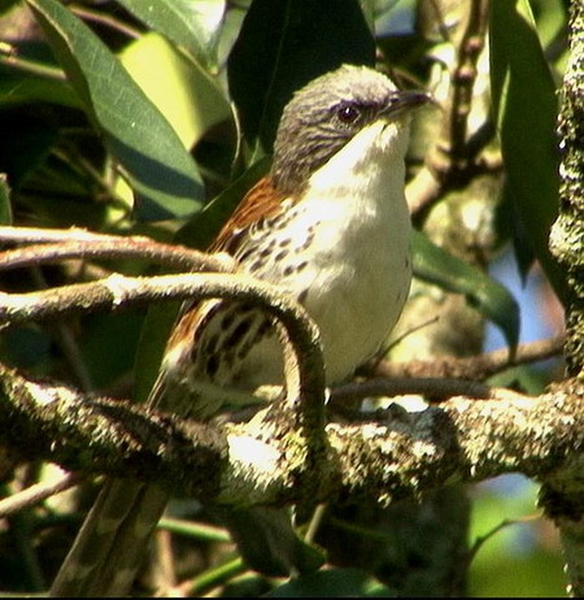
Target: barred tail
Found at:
x=112, y=542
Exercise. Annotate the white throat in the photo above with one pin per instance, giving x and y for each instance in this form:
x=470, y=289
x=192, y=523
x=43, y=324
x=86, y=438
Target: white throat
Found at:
x=359, y=275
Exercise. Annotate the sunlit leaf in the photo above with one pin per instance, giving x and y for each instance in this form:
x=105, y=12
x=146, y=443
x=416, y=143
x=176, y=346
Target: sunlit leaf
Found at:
x=189, y=99
x=490, y=298
x=551, y=19
x=526, y=107
x=159, y=168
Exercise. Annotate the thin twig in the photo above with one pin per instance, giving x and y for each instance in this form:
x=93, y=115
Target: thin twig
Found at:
x=439, y=18
x=174, y=256
x=37, y=493
x=163, y=571
x=78, y=243
x=33, y=67
x=422, y=190
x=453, y=156
x=194, y=530
x=104, y=19
x=463, y=79
x=476, y=368
x=27, y=235
x=480, y=540
x=433, y=388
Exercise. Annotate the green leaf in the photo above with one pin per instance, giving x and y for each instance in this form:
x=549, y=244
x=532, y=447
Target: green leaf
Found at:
x=5, y=207
x=268, y=542
x=282, y=45
x=203, y=227
x=156, y=163
x=491, y=299
x=157, y=325
x=194, y=25
x=17, y=88
x=99, y=332
x=26, y=78
x=551, y=19
x=333, y=583
x=189, y=99
x=30, y=73
x=526, y=107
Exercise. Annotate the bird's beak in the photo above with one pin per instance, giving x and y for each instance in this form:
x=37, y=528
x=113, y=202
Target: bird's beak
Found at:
x=406, y=100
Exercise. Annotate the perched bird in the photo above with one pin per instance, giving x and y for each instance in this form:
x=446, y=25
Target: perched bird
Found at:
x=329, y=224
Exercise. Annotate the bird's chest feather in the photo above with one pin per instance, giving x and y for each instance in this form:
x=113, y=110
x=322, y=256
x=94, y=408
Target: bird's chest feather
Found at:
x=347, y=260
x=342, y=249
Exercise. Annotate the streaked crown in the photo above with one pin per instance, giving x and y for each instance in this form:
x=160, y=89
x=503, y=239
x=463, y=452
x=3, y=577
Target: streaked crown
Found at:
x=328, y=112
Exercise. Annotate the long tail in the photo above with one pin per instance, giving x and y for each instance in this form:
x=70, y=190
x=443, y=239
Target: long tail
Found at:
x=112, y=543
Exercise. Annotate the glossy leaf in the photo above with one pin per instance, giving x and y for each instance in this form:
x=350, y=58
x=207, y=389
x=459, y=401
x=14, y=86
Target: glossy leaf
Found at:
x=156, y=163
x=189, y=99
x=551, y=19
x=194, y=25
x=18, y=87
x=301, y=40
x=155, y=331
x=526, y=107
x=491, y=299
x=202, y=228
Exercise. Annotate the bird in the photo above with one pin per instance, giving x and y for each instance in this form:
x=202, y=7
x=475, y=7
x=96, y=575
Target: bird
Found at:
x=329, y=225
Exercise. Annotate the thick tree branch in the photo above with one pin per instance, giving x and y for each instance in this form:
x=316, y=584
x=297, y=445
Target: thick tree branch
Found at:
x=563, y=499
x=303, y=362
x=394, y=455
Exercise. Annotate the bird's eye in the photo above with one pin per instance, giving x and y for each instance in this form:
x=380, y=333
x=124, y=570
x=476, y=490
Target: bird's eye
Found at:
x=348, y=113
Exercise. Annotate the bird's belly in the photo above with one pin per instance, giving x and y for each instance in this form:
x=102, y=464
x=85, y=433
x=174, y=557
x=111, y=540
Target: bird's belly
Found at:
x=353, y=279
x=356, y=305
